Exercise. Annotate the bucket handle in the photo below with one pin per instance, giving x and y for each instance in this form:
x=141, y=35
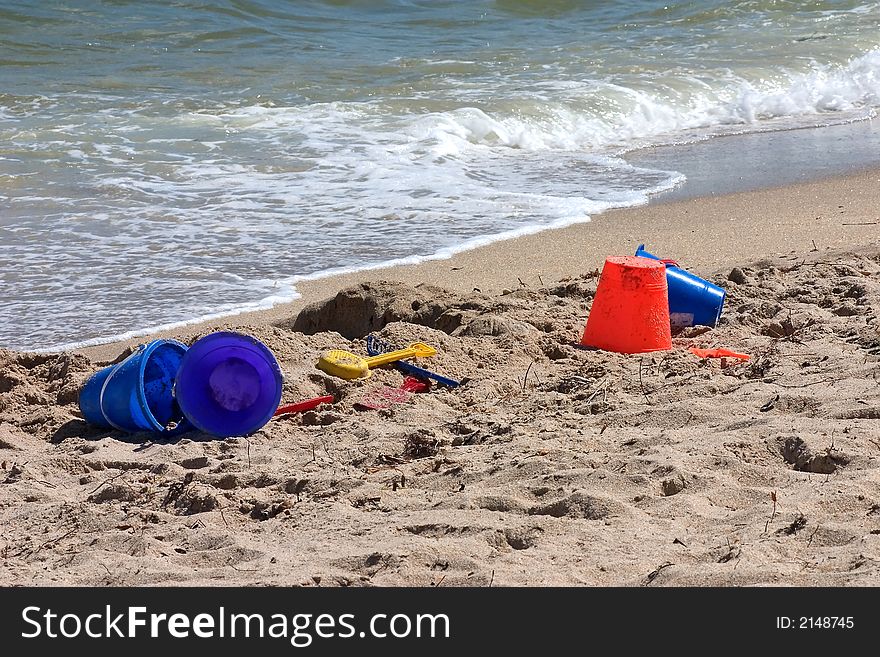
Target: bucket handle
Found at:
x=669, y=262
x=134, y=353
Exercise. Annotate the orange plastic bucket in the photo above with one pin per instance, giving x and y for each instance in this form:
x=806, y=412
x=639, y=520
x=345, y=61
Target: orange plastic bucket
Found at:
x=630, y=313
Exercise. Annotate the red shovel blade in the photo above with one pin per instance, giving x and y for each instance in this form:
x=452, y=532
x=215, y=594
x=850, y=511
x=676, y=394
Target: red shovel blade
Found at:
x=307, y=405
x=717, y=353
x=386, y=396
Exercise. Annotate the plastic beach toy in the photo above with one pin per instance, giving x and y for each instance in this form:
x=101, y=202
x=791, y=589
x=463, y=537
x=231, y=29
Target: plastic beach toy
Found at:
x=301, y=407
x=347, y=365
x=137, y=394
x=228, y=384
x=630, y=313
x=692, y=300
x=717, y=353
x=375, y=347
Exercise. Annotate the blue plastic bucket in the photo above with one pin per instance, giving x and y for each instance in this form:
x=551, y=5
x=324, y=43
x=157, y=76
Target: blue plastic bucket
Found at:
x=692, y=300
x=138, y=393
x=229, y=384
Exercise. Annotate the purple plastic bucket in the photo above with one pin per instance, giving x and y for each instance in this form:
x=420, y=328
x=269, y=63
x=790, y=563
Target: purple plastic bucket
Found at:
x=228, y=384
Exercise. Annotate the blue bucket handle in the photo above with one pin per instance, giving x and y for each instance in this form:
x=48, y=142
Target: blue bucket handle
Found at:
x=118, y=366
x=640, y=251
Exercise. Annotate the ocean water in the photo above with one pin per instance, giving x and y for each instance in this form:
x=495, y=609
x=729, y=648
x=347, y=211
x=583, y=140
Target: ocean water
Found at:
x=162, y=162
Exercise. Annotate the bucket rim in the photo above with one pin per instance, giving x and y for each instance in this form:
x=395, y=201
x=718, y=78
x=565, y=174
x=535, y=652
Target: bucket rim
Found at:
x=720, y=305
x=196, y=350
x=270, y=357
x=144, y=351
x=141, y=393
x=252, y=341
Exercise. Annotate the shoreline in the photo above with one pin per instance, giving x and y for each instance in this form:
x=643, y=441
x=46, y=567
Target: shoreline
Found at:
x=552, y=464
x=835, y=213
x=721, y=166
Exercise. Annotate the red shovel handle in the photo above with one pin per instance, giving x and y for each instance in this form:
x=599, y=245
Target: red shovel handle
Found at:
x=307, y=405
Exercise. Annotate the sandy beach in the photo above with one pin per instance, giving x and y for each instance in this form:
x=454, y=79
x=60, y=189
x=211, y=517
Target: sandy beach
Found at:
x=551, y=465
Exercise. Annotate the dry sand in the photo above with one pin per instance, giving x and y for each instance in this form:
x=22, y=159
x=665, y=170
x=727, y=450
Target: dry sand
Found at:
x=551, y=465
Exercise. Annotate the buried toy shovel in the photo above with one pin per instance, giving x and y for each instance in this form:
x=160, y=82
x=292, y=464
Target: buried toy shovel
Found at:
x=386, y=396
x=303, y=406
x=347, y=365
x=375, y=346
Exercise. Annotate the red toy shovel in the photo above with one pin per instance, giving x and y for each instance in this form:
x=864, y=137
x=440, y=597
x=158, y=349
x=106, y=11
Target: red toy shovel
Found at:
x=307, y=405
x=717, y=353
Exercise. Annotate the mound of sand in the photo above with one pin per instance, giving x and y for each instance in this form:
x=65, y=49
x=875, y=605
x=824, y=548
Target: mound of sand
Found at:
x=552, y=465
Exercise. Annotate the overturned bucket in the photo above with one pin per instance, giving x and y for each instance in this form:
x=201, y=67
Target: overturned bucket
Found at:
x=630, y=313
x=137, y=394
x=228, y=384
x=692, y=300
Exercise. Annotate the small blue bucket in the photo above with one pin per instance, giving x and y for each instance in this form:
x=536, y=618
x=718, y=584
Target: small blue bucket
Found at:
x=692, y=300
x=138, y=393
